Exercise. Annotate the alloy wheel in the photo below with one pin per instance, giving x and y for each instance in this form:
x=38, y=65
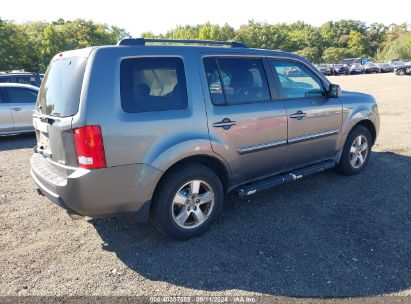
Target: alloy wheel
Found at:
x=358, y=151
x=192, y=204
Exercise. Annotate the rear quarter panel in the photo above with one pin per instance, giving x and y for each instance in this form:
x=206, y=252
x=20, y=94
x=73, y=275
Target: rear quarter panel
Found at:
x=156, y=138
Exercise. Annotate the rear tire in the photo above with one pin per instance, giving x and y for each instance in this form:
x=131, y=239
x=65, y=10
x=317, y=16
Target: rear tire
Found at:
x=356, y=151
x=187, y=201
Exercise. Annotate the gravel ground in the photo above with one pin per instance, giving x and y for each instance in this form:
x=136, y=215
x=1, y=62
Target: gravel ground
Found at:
x=324, y=236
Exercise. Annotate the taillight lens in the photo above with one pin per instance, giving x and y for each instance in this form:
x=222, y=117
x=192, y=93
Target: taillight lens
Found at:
x=89, y=147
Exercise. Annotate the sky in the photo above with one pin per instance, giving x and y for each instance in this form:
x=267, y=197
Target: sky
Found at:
x=158, y=16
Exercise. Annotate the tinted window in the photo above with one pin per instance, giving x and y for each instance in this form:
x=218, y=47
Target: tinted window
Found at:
x=25, y=79
x=213, y=80
x=152, y=84
x=61, y=88
x=21, y=95
x=296, y=80
x=243, y=80
x=5, y=79
x=2, y=98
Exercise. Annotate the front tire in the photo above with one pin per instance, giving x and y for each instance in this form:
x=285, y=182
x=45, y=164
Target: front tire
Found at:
x=356, y=151
x=401, y=72
x=187, y=201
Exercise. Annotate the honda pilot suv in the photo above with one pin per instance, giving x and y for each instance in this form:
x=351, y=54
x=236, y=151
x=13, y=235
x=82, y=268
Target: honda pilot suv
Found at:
x=165, y=131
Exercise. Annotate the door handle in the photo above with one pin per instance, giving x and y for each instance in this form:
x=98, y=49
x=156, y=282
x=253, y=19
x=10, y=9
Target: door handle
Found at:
x=298, y=115
x=16, y=109
x=226, y=124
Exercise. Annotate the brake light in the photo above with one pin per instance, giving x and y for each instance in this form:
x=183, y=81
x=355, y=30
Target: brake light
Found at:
x=89, y=147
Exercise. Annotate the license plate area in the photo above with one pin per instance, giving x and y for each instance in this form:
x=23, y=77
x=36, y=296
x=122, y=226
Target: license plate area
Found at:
x=43, y=141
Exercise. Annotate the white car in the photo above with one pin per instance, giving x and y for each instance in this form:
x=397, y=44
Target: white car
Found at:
x=17, y=103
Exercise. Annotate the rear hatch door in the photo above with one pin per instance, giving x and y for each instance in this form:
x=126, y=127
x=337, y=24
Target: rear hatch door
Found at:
x=58, y=101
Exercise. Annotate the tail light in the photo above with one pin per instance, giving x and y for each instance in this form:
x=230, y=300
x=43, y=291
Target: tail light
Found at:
x=89, y=147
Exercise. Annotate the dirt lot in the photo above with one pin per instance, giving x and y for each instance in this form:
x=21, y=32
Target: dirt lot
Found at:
x=324, y=236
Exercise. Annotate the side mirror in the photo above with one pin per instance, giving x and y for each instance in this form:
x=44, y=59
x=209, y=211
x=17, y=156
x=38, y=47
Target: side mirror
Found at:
x=334, y=91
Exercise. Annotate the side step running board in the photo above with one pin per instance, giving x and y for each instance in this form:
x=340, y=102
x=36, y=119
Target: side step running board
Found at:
x=264, y=184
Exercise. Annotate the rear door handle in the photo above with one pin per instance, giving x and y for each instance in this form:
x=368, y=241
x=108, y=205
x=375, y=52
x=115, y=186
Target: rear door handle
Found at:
x=226, y=124
x=16, y=109
x=298, y=115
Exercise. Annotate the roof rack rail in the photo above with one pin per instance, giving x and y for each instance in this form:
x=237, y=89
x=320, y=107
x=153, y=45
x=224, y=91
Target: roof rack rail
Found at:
x=143, y=41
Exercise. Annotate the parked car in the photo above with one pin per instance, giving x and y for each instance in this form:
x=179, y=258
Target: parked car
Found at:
x=371, y=68
x=404, y=69
x=341, y=69
x=21, y=77
x=385, y=67
x=396, y=63
x=145, y=130
x=292, y=72
x=357, y=69
x=351, y=61
x=17, y=102
x=326, y=69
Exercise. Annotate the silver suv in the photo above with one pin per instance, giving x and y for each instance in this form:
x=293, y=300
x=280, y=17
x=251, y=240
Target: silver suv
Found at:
x=165, y=131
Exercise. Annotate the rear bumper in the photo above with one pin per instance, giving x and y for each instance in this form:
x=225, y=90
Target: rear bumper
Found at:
x=95, y=193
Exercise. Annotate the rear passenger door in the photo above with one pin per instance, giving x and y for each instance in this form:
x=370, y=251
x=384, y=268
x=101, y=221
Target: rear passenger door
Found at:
x=22, y=102
x=314, y=120
x=6, y=121
x=247, y=126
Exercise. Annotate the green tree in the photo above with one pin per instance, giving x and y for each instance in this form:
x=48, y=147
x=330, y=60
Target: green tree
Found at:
x=376, y=34
x=67, y=35
x=263, y=35
x=335, y=54
x=31, y=45
x=400, y=48
x=7, y=45
x=357, y=43
x=309, y=53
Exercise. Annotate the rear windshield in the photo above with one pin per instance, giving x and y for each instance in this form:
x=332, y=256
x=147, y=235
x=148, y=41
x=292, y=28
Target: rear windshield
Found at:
x=61, y=87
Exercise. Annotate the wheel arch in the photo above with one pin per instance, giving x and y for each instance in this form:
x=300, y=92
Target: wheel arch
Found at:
x=367, y=123
x=217, y=165
x=370, y=126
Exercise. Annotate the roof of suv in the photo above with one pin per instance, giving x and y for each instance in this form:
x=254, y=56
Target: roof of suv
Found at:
x=18, y=85
x=213, y=49
x=19, y=73
x=181, y=46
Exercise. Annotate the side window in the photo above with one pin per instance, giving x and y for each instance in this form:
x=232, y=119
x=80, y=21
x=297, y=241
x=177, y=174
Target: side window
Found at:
x=25, y=79
x=296, y=80
x=21, y=95
x=214, y=82
x=5, y=79
x=2, y=98
x=152, y=84
x=236, y=80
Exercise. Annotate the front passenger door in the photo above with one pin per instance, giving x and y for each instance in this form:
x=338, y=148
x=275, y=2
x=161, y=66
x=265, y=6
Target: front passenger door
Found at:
x=247, y=125
x=314, y=119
